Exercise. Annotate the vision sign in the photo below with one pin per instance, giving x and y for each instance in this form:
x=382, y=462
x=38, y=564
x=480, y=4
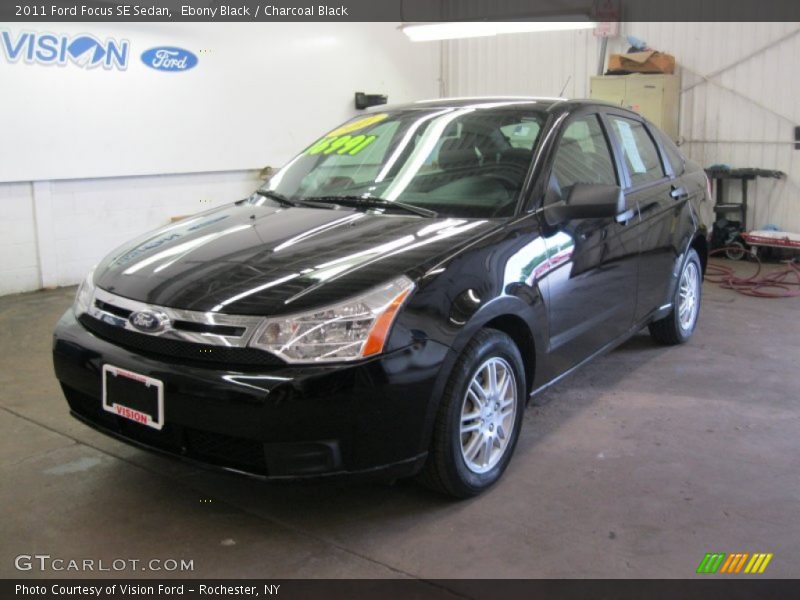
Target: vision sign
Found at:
x=83, y=50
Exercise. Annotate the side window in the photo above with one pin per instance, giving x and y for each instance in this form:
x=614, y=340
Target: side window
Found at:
x=583, y=155
x=639, y=150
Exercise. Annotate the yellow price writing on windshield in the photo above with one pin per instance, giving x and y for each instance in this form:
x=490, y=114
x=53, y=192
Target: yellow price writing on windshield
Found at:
x=357, y=124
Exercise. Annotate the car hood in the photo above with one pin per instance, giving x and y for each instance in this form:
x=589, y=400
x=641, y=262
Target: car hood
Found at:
x=266, y=260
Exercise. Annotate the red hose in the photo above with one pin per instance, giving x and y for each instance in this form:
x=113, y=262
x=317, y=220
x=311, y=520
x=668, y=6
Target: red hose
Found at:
x=786, y=280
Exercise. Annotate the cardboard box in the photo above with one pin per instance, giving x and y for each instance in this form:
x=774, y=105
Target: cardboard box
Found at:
x=642, y=62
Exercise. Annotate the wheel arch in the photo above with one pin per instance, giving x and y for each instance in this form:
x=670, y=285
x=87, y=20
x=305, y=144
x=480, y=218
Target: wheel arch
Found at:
x=517, y=329
x=700, y=245
x=523, y=318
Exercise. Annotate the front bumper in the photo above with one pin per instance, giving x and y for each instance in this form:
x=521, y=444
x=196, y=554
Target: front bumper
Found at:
x=278, y=422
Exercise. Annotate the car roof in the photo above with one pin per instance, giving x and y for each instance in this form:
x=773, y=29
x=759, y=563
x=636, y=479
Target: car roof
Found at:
x=476, y=101
x=544, y=103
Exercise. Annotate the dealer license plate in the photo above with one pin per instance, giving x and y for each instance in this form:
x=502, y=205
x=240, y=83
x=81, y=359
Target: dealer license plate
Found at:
x=133, y=396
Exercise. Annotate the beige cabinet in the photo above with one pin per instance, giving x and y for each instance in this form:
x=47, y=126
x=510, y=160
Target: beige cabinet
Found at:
x=657, y=97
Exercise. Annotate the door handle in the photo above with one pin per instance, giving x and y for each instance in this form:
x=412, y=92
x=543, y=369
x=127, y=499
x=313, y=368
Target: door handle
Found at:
x=679, y=193
x=625, y=217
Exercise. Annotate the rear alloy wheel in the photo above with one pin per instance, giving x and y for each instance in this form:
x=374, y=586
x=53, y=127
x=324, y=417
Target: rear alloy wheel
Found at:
x=688, y=296
x=479, y=418
x=677, y=327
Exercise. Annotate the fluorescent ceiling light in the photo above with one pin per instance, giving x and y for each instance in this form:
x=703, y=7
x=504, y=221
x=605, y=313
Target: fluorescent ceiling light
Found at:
x=427, y=32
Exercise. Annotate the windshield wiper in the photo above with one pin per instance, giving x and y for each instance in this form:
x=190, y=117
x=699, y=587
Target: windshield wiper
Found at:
x=371, y=202
x=278, y=197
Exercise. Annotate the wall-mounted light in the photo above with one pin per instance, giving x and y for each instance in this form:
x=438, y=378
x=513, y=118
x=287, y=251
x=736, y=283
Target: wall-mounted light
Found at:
x=428, y=32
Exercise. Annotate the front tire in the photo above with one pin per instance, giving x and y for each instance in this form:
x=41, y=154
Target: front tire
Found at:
x=677, y=327
x=479, y=418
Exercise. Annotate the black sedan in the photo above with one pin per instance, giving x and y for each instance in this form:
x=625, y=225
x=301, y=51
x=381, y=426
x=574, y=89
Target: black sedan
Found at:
x=386, y=304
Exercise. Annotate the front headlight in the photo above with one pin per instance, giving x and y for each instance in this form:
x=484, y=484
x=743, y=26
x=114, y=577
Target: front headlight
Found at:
x=347, y=331
x=83, y=299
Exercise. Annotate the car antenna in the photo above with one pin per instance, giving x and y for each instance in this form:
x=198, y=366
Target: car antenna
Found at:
x=566, y=83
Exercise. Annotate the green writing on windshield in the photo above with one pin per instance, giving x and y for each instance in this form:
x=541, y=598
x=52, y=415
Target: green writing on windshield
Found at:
x=341, y=144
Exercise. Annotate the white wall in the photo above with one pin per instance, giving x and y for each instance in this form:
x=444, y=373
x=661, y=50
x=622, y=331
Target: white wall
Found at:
x=93, y=158
x=51, y=233
x=533, y=64
x=19, y=258
x=736, y=126
x=258, y=93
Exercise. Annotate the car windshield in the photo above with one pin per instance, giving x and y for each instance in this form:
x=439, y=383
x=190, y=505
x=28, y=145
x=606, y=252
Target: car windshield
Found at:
x=468, y=161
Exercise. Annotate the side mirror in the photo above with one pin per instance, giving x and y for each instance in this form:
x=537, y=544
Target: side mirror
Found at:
x=588, y=201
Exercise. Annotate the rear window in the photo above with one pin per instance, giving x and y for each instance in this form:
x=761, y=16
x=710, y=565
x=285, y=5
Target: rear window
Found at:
x=639, y=150
x=674, y=156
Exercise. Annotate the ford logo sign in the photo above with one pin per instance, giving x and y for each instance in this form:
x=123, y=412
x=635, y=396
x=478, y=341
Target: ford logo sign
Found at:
x=169, y=58
x=148, y=321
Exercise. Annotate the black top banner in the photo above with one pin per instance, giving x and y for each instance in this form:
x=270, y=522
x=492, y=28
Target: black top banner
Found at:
x=398, y=10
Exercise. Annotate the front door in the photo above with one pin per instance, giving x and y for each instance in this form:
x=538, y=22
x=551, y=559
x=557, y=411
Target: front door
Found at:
x=592, y=285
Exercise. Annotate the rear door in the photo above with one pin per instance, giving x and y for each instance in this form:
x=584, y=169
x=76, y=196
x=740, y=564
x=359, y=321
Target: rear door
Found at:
x=649, y=186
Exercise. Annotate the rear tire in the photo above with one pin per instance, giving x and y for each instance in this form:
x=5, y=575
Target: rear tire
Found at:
x=479, y=417
x=677, y=327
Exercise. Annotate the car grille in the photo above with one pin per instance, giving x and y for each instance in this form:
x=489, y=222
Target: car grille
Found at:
x=225, y=330
x=177, y=350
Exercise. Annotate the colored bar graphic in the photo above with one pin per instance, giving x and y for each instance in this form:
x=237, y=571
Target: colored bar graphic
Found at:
x=749, y=568
x=716, y=562
x=732, y=560
x=711, y=562
x=734, y=563
x=764, y=564
x=741, y=562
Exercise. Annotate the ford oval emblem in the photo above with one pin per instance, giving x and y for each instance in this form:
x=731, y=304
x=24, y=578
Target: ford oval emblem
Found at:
x=169, y=58
x=148, y=321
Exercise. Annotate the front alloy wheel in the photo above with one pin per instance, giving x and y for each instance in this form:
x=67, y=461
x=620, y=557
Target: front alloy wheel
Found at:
x=479, y=417
x=488, y=414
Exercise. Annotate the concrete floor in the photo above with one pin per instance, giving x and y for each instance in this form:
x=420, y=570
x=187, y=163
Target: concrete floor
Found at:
x=635, y=467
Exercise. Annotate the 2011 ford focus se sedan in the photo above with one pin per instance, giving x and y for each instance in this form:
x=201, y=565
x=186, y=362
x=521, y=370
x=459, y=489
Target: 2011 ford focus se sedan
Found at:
x=387, y=302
